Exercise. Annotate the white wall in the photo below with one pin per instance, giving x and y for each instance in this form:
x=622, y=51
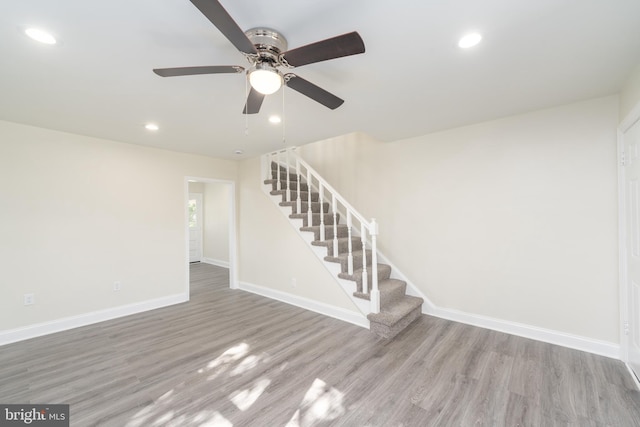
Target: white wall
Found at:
x=74, y=220
x=216, y=222
x=513, y=219
x=272, y=253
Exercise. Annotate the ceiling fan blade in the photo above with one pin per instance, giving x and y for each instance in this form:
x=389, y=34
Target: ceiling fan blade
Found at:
x=254, y=102
x=219, y=17
x=335, y=47
x=189, y=71
x=314, y=92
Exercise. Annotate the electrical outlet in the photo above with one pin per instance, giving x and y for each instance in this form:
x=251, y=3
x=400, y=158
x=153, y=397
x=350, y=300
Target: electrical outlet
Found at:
x=294, y=282
x=117, y=286
x=29, y=299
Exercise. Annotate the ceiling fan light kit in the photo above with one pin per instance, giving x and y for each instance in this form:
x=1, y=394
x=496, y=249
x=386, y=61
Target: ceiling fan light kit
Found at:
x=265, y=79
x=266, y=51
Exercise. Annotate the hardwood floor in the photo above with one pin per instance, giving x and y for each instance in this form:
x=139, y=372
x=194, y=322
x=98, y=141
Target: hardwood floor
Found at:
x=228, y=357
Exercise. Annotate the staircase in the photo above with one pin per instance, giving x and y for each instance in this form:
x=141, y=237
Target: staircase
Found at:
x=315, y=207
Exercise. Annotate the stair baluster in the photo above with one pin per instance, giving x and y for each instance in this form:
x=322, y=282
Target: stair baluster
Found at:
x=289, y=177
x=349, y=245
x=321, y=199
x=279, y=173
x=299, y=200
x=309, y=213
x=365, y=278
x=375, y=292
x=335, y=225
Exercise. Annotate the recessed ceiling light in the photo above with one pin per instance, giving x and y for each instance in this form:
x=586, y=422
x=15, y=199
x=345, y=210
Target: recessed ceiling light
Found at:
x=40, y=35
x=469, y=40
x=238, y=152
x=151, y=126
x=275, y=119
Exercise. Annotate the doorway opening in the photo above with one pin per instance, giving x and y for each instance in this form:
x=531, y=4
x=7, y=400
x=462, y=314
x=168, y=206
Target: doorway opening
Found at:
x=210, y=226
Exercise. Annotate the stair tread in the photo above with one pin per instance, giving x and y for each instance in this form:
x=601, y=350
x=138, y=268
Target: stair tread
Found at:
x=396, y=310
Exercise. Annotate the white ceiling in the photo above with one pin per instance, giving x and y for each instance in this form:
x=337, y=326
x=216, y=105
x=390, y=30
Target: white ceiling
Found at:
x=412, y=80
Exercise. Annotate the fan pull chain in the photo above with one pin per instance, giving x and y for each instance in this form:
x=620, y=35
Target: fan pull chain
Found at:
x=246, y=96
x=284, y=121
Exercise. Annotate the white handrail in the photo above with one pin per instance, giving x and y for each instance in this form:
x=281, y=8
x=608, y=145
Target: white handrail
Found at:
x=369, y=227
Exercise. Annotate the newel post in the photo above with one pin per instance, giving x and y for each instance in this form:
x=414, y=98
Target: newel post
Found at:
x=375, y=292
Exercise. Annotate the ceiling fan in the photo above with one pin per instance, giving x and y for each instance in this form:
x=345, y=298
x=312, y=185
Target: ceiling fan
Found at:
x=266, y=51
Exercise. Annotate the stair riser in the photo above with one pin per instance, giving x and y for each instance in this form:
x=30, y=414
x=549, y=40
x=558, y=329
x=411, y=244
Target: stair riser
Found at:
x=387, y=332
x=387, y=298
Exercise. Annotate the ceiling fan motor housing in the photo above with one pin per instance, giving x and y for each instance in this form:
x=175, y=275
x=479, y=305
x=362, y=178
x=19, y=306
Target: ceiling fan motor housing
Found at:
x=269, y=43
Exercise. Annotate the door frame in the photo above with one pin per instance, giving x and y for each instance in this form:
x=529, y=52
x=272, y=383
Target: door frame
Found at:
x=624, y=126
x=233, y=245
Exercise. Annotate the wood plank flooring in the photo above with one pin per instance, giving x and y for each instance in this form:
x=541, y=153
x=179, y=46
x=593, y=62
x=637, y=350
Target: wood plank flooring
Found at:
x=230, y=358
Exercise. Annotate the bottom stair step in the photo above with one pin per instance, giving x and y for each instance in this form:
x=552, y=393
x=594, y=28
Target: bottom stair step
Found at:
x=397, y=316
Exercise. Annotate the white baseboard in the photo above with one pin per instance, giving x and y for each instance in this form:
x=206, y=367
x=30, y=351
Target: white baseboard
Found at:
x=590, y=345
x=40, y=329
x=633, y=375
x=328, y=310
x=217, y=262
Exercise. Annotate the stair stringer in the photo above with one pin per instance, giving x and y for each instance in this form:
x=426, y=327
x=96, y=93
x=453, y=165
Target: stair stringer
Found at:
x=428, y=307
x=347, y=286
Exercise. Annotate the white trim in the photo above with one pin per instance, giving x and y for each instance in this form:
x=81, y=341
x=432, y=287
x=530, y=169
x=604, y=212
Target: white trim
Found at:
x=577, y=342
x=630, y=119
x=66, y=323
x=216, y=262
x=636, y=381
x=339, y=313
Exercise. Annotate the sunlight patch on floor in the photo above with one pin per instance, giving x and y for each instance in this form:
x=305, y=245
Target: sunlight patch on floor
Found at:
x=321, y=403
x=169, y=410
x=211, y=419
x=243, y=399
